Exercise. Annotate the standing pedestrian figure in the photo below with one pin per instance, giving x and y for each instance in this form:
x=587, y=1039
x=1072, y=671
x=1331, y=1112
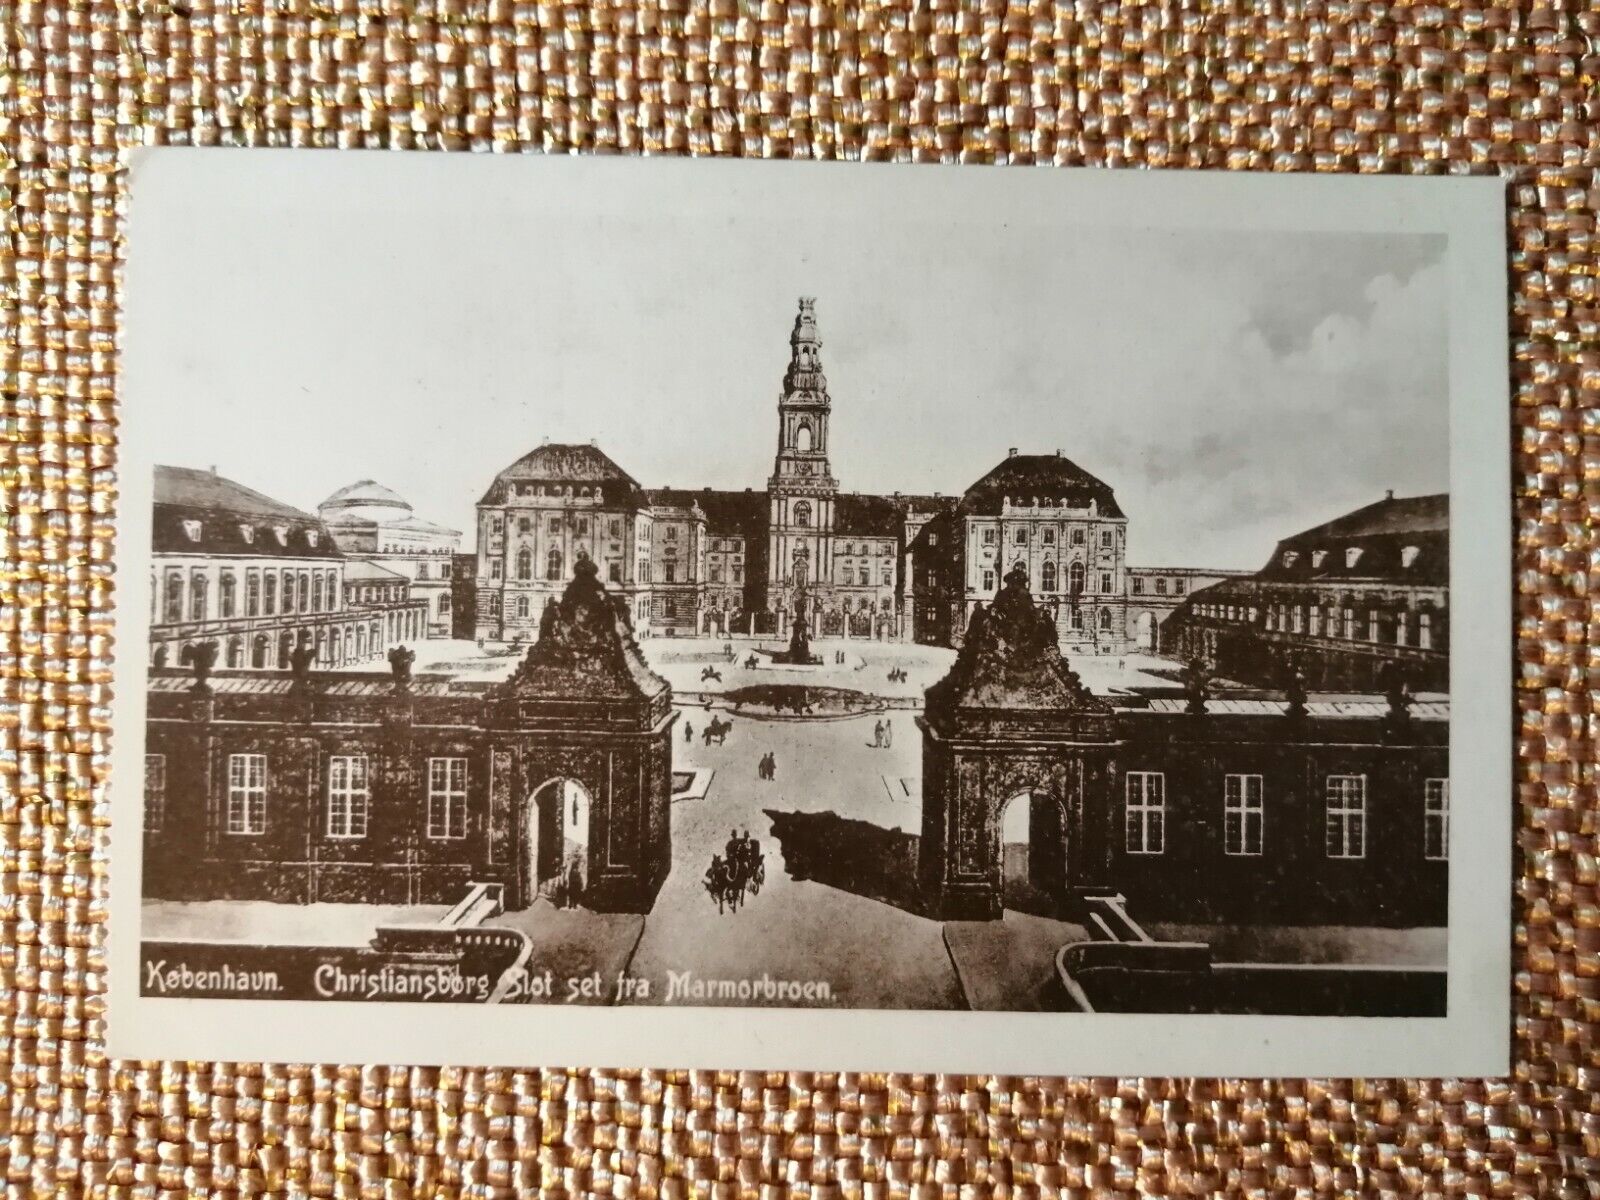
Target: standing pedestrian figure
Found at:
x=877, y=736
x=888, y=733
x=688, y=732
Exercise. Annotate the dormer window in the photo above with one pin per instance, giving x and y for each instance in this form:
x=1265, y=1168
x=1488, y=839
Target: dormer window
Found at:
x=1317, y=556
x=311, y=538
x=1351, y=557
x=248, y=533
x=1408, y=555
x=281, y=532
x=1290, y=557
x=191, y=530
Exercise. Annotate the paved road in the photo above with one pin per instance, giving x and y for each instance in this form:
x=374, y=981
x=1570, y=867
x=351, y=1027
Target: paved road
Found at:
x=840, y=858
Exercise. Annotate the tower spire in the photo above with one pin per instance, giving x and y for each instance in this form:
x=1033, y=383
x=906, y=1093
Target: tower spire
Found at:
x=804, y=381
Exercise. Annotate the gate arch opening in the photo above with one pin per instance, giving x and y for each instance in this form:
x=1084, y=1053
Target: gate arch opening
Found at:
x=1147, y=633
x=558, y=842
x=1033, y=853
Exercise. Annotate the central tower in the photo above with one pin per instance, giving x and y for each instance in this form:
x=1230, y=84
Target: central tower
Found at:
x=801, y=491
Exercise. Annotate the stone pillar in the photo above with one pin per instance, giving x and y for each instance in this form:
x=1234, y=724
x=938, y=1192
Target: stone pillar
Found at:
x=783, y=621
x=752, y=624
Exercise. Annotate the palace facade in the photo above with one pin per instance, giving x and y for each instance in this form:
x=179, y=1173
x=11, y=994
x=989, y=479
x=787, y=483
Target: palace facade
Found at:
x=1354, y=604
x=908, y=567
x=254, y=579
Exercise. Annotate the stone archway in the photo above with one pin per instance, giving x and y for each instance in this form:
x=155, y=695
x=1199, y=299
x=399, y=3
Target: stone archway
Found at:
x=556, y=842
x=1147, y=632
x=1032, y=831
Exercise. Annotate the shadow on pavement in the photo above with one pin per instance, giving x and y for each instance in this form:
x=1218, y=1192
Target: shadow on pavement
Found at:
x=853, y=856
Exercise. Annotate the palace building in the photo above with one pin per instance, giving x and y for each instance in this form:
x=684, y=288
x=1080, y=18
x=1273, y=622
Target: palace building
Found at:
x=369, y=520
x=254, y=579
x=1354, y=604
x=888, y=567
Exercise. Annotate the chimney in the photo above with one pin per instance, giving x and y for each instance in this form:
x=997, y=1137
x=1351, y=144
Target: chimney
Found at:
x=213, y=468
x=1388, y=494
x=1058, y=452
x=1011, y=453
x=592, y=442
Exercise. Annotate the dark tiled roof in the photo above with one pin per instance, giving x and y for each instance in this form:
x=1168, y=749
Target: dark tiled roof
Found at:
x=226, y=511
x=856, y=515
x=1045, y=476
x=1400, y=541
x=564, y=463
x=186, y=487
x=1392, y=514
x=728, y=514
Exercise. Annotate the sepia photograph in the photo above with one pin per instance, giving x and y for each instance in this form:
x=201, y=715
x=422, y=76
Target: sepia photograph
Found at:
x=682, y=587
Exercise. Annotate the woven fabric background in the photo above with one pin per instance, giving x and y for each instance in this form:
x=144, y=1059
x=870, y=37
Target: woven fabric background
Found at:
x=1371, y=87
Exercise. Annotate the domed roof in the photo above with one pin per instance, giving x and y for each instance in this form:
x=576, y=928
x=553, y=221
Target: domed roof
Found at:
x=364, y=500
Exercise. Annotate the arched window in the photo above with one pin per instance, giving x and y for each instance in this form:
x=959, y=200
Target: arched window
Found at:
x=802, y=437
x=1047, y=577
x=288, y=591
x=305, y=590
x=361, y=642
x=338, y=647
x=444, y=604
x=1105, y=620
x=252, y=593
x=802, y=514
x=1075, y=578
x=172, y=605
x=525, y=563
x=552, y=563
x=235, y=652
x=316, y=592
x=197, y=597
x=258, y=651
x=522, y=608
x=225, y=594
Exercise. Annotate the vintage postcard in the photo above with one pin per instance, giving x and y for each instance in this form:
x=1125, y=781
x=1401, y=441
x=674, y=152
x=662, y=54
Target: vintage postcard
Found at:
x=818, y=616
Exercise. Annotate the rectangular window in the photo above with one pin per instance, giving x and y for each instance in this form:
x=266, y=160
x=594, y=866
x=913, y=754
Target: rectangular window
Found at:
x=447, y=797
x=616, y=528
x=988, y=581
x=348, y=796
x=1146, y=822
x=1105, y=539
x=1138, y=586
x=496, y=569
x=1161, y=587
x=583, y=526
x=1242, y=815
x=1177, y=587
x=988, y=537
x=1049, y=537
x=1436, y=819
x=247, y=793
x=716, y=572
x=155, y=792
x=672, y=533
x=1105, y=581
x=497, y=525
x=1347, y=816
x=1077, y=537
x=524, y=525
x=738, y=573
x=1021, y=537
x=669, y=572
x=614, y=571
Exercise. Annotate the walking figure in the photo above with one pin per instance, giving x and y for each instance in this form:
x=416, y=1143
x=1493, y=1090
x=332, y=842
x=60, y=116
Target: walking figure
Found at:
x=688, y=732
x=877, y=736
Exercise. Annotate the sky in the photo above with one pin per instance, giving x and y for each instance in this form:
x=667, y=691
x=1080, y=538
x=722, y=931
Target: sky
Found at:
x=304, y=323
